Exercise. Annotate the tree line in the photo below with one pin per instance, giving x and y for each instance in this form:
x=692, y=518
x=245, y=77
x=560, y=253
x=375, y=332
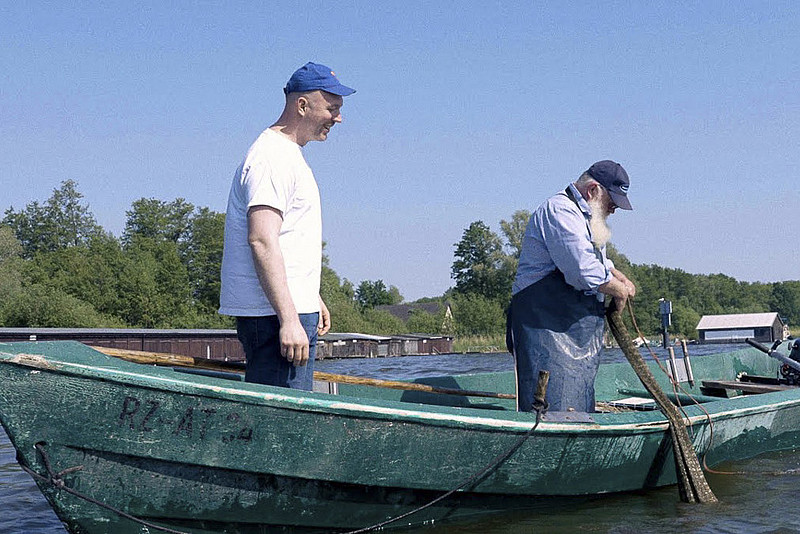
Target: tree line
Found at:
x=485, y=265
x=60, y=268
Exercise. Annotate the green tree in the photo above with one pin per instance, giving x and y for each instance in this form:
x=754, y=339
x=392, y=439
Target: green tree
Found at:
x=785, y=300
x=475, y=314
x=197, y=237
x=203, y=258
x=370, y=294
x=380, y=322
x=11, y=278
x=480, y=266
x=88, y=272
x=63, y=221
x=158, y=220
x=339, y=296
x=620, y=261
x=514, y=231
x=154, y=285
x=423, y=322
x=40, y=306
x=10, y=247
x=684, y=318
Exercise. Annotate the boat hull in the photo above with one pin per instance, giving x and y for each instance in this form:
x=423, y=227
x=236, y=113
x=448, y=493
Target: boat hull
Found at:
x=204, y=454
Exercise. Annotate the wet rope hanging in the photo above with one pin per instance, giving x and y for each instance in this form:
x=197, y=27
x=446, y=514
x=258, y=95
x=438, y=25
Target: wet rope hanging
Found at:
x=677, y=385
x=539, y=406
x=692, y=484
x=57, y=481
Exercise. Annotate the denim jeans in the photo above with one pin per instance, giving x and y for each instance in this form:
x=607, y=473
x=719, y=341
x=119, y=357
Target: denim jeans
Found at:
x=262, y=347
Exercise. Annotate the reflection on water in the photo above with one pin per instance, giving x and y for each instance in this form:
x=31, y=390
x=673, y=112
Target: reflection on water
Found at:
x=754, y=503
x=23, y=509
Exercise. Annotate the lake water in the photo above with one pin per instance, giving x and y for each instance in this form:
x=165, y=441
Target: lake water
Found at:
x=761, y=501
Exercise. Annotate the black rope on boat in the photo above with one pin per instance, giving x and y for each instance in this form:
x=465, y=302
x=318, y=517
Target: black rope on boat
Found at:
x=540, y=407
x=57, y=481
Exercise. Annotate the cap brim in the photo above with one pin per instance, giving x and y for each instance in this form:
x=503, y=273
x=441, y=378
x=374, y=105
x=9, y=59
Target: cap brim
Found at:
x=341, y=90
x=621, y=201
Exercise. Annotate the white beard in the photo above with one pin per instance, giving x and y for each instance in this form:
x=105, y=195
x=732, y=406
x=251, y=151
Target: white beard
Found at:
x=601, y=233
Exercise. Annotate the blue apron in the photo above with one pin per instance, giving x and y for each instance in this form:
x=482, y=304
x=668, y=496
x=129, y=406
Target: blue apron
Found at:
x=554, y=327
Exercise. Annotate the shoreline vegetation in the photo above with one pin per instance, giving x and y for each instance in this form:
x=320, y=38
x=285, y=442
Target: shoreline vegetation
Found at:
x=497, y=343
x=60, y=269
x=479, y=343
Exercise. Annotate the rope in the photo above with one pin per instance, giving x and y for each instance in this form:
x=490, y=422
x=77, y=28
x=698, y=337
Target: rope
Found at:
x=675, y=386
x=678, y=386
x=56, y=480
x=692, y=485
x=497, y=460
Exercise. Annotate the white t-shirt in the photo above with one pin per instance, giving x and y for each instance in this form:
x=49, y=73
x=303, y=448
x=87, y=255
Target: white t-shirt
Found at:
x=274, y=173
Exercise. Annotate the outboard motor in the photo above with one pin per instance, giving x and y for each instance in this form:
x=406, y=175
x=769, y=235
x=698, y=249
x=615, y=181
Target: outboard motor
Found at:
x=792, y=375
x=790, y=370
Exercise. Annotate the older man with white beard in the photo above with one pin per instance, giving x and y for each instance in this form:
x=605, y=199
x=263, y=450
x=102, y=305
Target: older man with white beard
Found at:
x=557, y=312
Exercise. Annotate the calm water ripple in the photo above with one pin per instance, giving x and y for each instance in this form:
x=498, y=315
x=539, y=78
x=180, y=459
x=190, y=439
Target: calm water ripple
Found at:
x=755, y=503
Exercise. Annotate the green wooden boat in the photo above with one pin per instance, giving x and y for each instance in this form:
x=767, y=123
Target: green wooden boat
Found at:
x=198, y=453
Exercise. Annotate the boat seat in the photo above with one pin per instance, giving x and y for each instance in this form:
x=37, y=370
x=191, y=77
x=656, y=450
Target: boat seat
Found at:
x=720, y=388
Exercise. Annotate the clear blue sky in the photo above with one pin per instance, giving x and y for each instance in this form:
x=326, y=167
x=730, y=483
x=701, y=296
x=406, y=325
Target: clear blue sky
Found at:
x=465, y=111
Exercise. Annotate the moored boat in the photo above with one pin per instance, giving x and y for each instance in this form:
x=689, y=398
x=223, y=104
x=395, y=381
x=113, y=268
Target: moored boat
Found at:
x=200, y=453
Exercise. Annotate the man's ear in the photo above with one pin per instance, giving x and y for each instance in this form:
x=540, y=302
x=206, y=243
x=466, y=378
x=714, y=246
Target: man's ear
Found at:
x=594, y=190
x=301, y=105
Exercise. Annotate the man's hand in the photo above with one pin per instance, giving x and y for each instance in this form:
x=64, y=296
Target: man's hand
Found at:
x=294, y=342
x=629, y=287
x=324, y=319
x=620, y=288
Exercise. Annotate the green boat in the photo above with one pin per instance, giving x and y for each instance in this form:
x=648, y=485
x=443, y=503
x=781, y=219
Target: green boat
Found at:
x=196, y=452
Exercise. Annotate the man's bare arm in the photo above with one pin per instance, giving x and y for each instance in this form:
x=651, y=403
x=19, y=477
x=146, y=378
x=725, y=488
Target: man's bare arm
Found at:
x=263, y=229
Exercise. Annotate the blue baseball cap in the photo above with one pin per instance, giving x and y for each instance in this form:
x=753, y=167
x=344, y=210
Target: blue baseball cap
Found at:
x=613, y=177
x=313, y=76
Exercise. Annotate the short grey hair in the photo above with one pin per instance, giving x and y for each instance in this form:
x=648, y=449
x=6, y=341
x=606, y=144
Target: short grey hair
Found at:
x=585, y=179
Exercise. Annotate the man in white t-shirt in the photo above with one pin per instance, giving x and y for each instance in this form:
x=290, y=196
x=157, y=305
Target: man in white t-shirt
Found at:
x=272, y=257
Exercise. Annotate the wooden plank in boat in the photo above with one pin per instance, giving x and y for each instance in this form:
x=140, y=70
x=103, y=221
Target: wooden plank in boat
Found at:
x=744, y=387
x=634, y=403
x=760, y=379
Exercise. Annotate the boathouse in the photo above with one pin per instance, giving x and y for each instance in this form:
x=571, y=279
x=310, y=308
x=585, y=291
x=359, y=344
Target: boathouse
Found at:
x=224, y=344
x=735, y=328
x=350, y=345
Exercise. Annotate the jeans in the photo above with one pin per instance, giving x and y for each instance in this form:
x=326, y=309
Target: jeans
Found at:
x=262, y=347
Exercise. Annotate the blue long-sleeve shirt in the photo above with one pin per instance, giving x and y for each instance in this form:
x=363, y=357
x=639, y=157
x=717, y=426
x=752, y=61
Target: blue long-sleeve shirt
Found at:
x=558, y=237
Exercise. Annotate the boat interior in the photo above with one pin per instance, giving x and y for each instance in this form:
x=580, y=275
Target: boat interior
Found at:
x=697, y=380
